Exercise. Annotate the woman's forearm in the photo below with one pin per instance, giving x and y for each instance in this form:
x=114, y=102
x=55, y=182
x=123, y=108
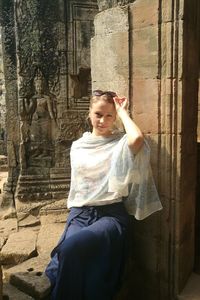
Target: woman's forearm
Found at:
x=134, y=134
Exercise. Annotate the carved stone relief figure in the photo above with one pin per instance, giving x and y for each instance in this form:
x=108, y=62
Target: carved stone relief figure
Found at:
x=38, y=116
x=44, y=118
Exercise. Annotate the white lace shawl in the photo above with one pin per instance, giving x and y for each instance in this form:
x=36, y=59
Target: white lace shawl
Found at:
x=127, y=175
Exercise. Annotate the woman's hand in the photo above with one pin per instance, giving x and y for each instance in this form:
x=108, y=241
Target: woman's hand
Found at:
x=121, y=103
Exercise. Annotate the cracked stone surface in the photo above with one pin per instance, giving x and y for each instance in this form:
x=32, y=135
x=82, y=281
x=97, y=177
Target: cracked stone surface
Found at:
x=8, y=226
x=19, y=247
x=29, y=221
x=12, y=293
x=28, y=275
x=2, y=242
x=23, y=275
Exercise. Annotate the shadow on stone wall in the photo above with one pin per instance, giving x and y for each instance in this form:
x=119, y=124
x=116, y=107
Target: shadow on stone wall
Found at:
x=146, y=270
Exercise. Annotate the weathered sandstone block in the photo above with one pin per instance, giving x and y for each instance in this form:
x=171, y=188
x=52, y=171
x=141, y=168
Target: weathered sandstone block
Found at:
x=29, y=276
x=12, y=293
x=144, y=52
x=147, y=109
x=34, y=284
x=53, y=232
x=19, y=247
x=110, y=51
x=144, y=13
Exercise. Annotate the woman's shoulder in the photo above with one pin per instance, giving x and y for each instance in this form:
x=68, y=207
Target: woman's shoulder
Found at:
x=85, y=135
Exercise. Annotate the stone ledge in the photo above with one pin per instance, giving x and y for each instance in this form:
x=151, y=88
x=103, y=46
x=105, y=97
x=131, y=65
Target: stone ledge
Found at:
x=29, y=277
x=12, y=293
x=35, y=284
x=35, y=264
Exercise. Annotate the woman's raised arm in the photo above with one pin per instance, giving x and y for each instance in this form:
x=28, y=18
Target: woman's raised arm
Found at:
x=134, y=134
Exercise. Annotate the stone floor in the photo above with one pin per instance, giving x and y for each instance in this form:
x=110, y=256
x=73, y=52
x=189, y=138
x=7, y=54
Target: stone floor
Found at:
x=25, y=250
x=192, y=288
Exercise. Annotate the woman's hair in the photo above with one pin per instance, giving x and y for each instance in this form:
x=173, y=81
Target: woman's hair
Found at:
x=105, y=97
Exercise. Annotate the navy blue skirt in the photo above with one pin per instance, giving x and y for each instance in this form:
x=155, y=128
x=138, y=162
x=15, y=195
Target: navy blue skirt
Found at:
x=88, y=260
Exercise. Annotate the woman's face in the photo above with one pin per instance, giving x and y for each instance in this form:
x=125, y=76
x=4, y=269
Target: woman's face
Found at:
x=102, y=116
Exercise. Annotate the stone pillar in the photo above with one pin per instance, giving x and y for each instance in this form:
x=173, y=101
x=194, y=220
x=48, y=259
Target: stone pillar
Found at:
x=12, y=122
x=37, y=33
x=161, y=78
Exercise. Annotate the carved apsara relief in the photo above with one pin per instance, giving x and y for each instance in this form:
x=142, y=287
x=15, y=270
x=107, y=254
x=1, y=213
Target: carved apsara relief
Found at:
x=38, y=118
x=39, y=78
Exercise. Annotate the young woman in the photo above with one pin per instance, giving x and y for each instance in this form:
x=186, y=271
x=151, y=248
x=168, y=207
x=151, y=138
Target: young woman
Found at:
x=110, y=179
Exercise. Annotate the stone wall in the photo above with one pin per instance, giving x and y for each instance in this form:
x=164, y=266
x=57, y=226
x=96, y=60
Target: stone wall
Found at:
x=11, y=100
x=144, y=46
x=48, y=82
x=111, y=40
x=2, y=105
x=2, y=90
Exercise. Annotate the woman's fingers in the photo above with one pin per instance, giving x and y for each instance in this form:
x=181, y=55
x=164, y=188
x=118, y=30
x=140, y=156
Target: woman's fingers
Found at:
x=121, y=102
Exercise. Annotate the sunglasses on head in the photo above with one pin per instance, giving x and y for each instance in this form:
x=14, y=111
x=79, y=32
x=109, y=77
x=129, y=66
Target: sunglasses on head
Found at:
x=100, y=93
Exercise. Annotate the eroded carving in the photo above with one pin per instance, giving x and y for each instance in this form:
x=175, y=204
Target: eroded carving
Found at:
x=38, y=115
x=54, y=84
x=105, y=4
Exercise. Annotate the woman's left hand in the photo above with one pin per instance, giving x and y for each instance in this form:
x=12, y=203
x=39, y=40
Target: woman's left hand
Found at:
x=121, y=103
